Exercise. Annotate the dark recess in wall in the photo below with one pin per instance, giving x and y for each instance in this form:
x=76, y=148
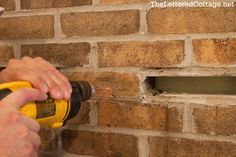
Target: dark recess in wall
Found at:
x=192, y=85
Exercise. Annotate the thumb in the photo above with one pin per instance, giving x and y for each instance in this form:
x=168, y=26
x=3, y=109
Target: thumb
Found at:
x=22, y=96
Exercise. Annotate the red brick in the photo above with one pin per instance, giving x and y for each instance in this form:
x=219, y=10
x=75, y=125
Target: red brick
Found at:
x=83, y=116
x=191, y=20
x=100, y=23
x=219, y=120
x=212, y=52
x=99, y=144
x=141, y=54
x=180, y=147
x=225, y=149
x=46, y=154
x=27, y=27
x=128, y=114
x=226, y=120
x=123, y=1
x=204, y=118
x=67, y=55
x=6, y=53
x=110, y=84
x=48, y=141
x=157, y=146
x=7, y=4
x=174, y=117
x=38, y=4
x=131, y=115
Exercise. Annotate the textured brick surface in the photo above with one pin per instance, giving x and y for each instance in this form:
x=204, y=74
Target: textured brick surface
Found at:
x=123, y=1
x=110, y=84
x=129, y=114
x=174, y=117
x=37, y=4
x=27, y=27
x=47, y=140
x=102, y=43
x=83, y=116
x=191, y=20
x=46, y=154
x=215, y=119
x=226, y=120
x=225, y=149
x=100, y=23
x=68, y=55
x=141, y=54
x=204, y=119
x=99, y=144
x=6, y=53
x=7, y=4
x=177, y=147
x=157, y=146
x=215, y=52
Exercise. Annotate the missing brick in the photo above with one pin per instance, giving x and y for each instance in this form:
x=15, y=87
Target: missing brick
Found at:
x=223, y=85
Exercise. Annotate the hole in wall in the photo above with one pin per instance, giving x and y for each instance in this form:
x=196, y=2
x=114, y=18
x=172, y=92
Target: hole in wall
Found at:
x=223, y=85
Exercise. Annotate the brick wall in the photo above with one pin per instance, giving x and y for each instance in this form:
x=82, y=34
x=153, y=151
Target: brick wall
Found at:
x=116, y=45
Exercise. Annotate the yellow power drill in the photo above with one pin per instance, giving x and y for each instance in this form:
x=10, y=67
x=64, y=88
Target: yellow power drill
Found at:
x=51, y=113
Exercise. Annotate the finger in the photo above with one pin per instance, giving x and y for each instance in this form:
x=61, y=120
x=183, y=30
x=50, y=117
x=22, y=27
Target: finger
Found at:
x=35, y=140
x=63, y=79
x=56, y=72
x=27, y=58
x=55, y=85
x=28, y=149
x=34, y=76
x=60, y=77
x=35, y=80
x=31, y=124
x=61, y=85
x=61, y=90
x=5, y=74
x=22, y=96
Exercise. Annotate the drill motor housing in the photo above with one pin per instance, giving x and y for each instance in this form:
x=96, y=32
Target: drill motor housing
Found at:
x=51, y=113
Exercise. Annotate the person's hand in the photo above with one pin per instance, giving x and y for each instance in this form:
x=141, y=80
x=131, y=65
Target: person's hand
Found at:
x=40, y=73
x=18, y=134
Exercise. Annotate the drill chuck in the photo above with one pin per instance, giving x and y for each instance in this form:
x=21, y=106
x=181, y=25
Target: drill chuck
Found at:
x=81, y=91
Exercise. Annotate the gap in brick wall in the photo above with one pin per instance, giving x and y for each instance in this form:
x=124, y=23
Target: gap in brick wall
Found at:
x=222, y=85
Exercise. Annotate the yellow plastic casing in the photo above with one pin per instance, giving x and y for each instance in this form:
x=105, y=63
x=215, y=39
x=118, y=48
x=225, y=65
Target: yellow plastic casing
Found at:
x=49, y=113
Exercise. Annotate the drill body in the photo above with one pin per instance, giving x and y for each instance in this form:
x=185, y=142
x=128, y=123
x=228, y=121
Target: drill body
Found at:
x=51, y=113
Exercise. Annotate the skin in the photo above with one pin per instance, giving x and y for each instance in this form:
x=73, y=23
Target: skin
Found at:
x=40, y=73
x=19, y=134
